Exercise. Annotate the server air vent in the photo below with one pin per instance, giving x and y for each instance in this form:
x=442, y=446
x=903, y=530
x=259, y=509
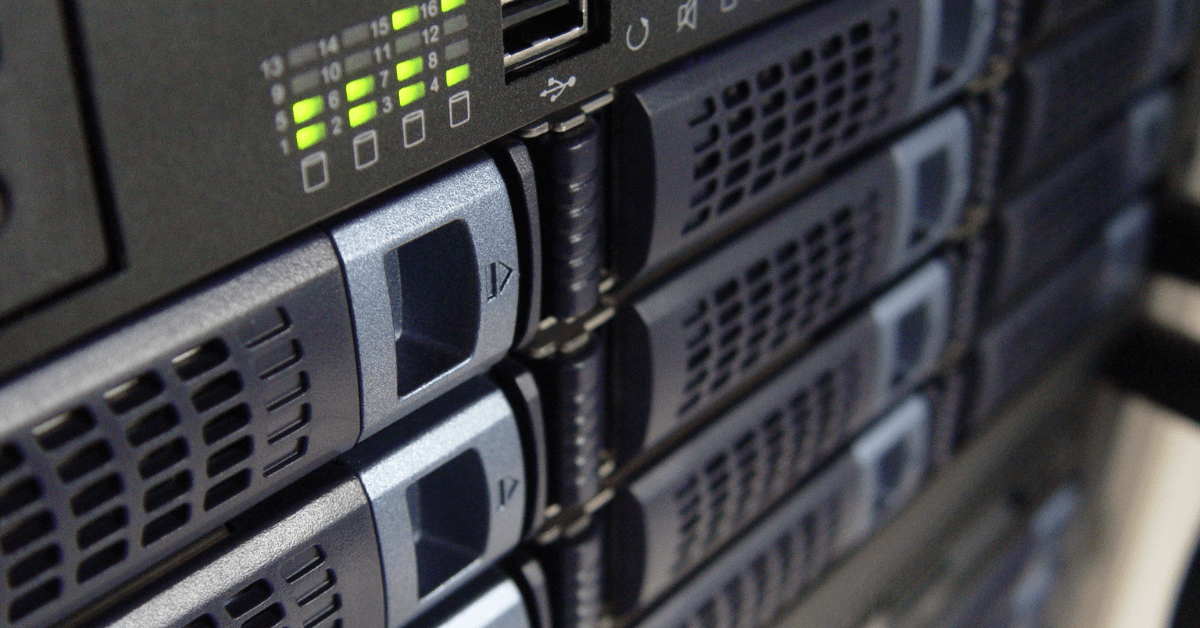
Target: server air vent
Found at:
x=765, y=127
x=776, y=301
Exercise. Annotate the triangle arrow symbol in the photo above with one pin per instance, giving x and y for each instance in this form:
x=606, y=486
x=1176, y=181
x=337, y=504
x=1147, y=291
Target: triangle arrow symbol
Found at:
x=508, y=489
x=504, y=273
x=498, y=275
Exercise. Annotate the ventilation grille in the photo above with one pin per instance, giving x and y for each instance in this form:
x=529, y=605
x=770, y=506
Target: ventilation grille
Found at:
x=773, y=577
x=1041, y=327
x=1078, y=84
x=306, y=597
x=116, y=483
x=731, y=487
x=1061, y=212
x=764, y=129
x=777, y=301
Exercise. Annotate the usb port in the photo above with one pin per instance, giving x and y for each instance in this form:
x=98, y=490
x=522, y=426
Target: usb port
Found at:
x=537, y=29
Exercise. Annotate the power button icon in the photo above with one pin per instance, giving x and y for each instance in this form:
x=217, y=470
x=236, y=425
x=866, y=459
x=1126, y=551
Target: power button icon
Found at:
x=636, y=35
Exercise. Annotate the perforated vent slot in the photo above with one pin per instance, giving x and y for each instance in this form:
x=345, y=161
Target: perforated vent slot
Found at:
x=732, y=487
x=746, y=451
x=136, y=463
x=687, y=501
x=307, y=596
x=800, y=554
x=29, y=560
x=776, y=302
x=716, y=476
x=790, y=115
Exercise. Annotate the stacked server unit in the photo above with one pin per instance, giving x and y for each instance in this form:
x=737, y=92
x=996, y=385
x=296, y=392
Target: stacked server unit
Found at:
x=1070, y=234
x=661, y=356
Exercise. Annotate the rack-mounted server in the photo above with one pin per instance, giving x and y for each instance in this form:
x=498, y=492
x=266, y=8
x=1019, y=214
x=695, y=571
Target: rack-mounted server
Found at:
x=1039, y=225
x=1085, y=291
x=1064, y=88
x=748, y=584
x=209, y=88
x=489, y=298
x=371, y=539
x=697, y=155
x=680, y=347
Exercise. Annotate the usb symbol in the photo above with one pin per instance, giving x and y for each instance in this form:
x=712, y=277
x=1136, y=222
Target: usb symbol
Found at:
x=555, y=87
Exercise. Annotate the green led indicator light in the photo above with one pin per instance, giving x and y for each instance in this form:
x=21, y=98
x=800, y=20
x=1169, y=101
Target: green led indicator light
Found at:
x=362, y=114
x=310, y=135
x=405, y=17
x=359, y=88
x=450, y=5
x=410, y=93
x=458, y=74
x=408, y=69
x=307, y=109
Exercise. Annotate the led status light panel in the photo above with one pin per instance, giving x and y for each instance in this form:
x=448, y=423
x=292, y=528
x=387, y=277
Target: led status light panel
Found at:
x=371, y=78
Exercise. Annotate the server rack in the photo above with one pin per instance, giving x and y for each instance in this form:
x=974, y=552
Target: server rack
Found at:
x=568, y=313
